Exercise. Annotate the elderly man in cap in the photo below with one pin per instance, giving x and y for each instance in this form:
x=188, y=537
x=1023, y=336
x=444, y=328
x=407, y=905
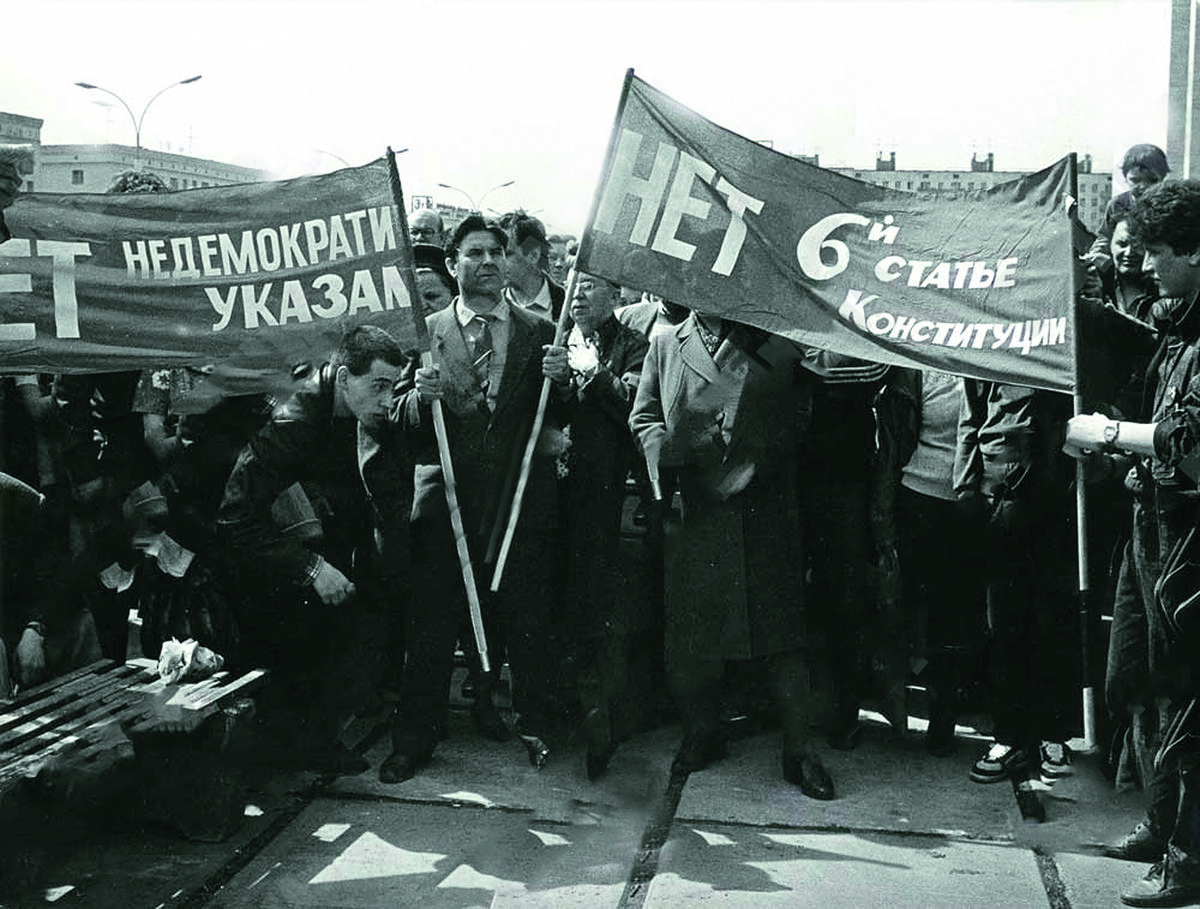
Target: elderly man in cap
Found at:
x=596, y=373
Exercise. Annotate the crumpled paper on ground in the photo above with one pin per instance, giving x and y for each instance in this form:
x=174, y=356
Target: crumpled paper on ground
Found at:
x=187, y=661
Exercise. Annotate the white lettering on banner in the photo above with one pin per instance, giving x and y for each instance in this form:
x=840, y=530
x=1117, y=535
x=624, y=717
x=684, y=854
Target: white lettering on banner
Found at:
x=267, y=249
x=16, y=284
x=234, y=262
x=339, y=243
x=945, y=275
x=650, y=193
x=383, y=230
x=66, y=307
x=622, y=182
x=735, y=236
x=295, y=304
x=816, y=239
x=1024, y=335
x=62, y=255
x=680, y=202
x=259, y=307
x=223, y=305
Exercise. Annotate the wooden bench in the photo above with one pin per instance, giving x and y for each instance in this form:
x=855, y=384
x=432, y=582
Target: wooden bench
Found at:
x=80, y=716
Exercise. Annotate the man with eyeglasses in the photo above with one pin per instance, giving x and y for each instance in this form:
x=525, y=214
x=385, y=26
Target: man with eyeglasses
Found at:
x=426, y=226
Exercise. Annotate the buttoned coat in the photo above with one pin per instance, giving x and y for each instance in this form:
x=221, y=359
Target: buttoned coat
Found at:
x=599, y=460
x=730, y=424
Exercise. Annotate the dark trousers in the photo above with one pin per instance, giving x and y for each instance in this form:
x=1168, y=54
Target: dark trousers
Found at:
x=837, y=533
x=1033, y=623
x=324, y=662
x=527, y=607
x=943, y=591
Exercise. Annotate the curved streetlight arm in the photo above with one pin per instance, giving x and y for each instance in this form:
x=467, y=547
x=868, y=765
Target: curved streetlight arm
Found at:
x=474, y=207
x=132, y=119
x=137, y=121
x=492, y=190
x=152, y=100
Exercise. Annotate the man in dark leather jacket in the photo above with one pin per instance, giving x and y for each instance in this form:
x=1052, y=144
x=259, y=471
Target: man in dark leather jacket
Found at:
x=315, y=610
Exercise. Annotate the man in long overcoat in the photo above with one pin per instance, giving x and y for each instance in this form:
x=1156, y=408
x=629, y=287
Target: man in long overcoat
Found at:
x=726, y=406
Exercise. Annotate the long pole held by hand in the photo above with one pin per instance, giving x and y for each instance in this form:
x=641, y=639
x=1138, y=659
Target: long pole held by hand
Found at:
x=531, y=446
x=1081, y=514
x=439, y=428
x=527, y=462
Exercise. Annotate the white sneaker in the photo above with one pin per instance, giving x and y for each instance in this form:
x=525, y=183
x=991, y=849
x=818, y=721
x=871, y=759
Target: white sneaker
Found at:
x=1056, y=761
x=999, y=763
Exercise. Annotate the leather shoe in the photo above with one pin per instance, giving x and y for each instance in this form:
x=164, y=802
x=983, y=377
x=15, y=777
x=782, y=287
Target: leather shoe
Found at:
x=488, y=722
x=336, y=759
x=402, y=765
x=538, y=750
x=698, y=750
x=600, y=743
x=1166, y=884
x=807, y=772
x=845, y=729
x=1140, y=845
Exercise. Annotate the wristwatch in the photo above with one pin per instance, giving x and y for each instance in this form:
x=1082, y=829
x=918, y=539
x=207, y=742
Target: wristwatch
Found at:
x=1112, y=432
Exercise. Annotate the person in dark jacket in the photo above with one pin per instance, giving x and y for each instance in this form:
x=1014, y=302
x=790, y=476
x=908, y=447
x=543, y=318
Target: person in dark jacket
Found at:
x=487, y=372
x=1166, y=221
x=596, y=373
x=315, y=610
x=1013, y=488
x=726, y=406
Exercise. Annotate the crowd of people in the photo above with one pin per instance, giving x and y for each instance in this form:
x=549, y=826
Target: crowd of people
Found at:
x=815, y=532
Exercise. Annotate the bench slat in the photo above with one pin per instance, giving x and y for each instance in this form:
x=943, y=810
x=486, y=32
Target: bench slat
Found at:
x=70, y=705
x=83, y=688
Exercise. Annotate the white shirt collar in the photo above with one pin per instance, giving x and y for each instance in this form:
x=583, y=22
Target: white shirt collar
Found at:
x=465, y=314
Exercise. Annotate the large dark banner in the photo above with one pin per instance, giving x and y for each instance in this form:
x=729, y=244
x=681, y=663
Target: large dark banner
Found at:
x=976, y=286
x=255, y=277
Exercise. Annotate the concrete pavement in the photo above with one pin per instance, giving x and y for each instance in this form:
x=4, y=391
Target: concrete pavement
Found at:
x=480, y=827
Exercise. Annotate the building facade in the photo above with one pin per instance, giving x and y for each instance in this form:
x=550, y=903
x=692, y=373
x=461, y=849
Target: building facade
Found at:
x=1095, y=190
x=91, y=168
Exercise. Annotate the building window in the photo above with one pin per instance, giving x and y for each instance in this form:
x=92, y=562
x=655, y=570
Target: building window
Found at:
x=28, y=186
x=174, y=183
x=77, y=177
x=910, y=184
x=970, y=186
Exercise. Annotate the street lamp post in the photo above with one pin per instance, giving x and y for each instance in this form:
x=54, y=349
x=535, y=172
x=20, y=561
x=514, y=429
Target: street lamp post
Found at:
x=137, y=121
x=474, y=207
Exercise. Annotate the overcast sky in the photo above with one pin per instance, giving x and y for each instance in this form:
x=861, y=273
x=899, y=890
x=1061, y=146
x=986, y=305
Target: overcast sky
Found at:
x=485, y=92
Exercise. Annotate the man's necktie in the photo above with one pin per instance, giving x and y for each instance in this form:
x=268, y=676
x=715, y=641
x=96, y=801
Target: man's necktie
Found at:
x=480, y=329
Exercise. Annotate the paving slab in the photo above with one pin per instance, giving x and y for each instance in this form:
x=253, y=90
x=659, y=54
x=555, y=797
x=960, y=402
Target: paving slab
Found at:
x=354, y=853
x=883, y=784
x=745, y=866
x=468, y=769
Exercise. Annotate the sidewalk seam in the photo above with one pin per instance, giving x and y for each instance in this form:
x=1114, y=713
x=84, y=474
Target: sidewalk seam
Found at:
x=1056, y=890
x=658, y=829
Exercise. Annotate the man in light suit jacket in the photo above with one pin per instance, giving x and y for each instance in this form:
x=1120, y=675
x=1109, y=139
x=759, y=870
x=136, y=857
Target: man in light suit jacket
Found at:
x=487, y=371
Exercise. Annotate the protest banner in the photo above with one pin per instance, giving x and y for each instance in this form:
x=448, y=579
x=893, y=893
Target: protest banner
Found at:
x=977, y=286
x=257, y=277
